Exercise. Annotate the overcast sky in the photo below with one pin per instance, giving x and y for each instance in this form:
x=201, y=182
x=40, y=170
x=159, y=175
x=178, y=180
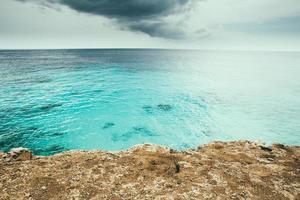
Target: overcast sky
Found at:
x=201, y=24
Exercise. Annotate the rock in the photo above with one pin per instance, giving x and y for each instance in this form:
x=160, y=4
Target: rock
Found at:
x=18, y=154
x=266, y=148
x=2, y=155
x=279, y=146
x=270, y=159
x=228, y=170
x=164, y=107
x=177, y=168
x=108, y=125
x=148, y=109
x=50, y=106
x=172, y=151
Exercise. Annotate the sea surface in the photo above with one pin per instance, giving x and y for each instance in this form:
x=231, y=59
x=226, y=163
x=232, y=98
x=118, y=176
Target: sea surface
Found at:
x=57, y=100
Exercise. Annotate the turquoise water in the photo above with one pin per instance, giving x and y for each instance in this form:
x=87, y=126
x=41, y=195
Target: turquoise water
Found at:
x=57, y=100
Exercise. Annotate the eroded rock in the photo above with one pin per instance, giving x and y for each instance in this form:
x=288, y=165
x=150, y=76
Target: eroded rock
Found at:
x=18, y=154
x=220, y=170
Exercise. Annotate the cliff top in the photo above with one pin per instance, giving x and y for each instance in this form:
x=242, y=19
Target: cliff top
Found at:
x=220, y=170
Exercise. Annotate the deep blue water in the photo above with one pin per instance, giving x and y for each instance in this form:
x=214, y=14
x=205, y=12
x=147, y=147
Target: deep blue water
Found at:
x=56, y=100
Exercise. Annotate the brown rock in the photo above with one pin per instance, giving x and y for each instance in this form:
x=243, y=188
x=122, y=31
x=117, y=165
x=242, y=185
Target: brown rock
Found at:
x=18, y=154
x=222, y=170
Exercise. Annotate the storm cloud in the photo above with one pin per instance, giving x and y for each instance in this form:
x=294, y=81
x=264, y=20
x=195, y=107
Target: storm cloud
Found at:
x=147, y=16
x=131, y=9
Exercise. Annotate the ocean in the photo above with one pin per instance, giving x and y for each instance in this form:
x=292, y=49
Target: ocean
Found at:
x=111, y=99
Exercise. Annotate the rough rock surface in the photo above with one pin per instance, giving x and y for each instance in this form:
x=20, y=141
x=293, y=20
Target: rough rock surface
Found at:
x=234, y=170
x=18, y=154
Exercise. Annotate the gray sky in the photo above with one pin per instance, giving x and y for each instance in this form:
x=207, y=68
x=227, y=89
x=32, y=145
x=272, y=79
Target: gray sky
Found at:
x=201, y=24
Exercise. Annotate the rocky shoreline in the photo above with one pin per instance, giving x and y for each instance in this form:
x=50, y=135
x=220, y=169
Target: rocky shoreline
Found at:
x=220, y=170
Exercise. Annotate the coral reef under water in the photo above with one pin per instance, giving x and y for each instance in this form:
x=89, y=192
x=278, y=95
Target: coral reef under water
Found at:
x=108, y=125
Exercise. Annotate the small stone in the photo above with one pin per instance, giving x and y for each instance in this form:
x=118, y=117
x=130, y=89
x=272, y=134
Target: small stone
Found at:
x=177, y=168
x=279, y=146
x=2, y=155
x=27, y=195
x=44, y=188
x=270, y=159
x=266, y=148
x=172, y=151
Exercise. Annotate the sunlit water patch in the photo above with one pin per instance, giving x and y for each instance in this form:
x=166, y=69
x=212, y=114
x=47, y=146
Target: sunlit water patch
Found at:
x=57, y=100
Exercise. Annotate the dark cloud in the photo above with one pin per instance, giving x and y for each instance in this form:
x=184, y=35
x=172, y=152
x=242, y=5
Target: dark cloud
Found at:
x=158, y=29
x=130, y=9
x=145, y=16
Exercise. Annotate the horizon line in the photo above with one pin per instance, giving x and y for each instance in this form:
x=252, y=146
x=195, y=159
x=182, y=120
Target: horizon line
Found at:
x=146, y=48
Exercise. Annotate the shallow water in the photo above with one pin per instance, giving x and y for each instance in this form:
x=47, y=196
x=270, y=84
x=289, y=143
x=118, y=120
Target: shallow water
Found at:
x=56, y=100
